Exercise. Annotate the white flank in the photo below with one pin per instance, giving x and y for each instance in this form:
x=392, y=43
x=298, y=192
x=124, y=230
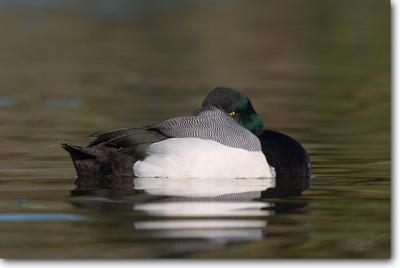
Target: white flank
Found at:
x=198, y=158
x=205, y=187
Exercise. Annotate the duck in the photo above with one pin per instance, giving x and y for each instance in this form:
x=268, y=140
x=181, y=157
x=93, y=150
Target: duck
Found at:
x=224, y=138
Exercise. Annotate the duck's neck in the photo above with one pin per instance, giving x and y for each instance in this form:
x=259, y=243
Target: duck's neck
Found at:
x=254, y=124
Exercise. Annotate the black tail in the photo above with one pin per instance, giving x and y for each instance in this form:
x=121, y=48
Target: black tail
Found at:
x=99, y=161
x=77, y=152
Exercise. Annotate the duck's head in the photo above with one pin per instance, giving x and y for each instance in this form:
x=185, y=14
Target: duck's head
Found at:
x=237, y=105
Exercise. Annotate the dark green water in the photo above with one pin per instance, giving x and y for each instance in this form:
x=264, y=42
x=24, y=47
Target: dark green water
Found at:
x=318, y=71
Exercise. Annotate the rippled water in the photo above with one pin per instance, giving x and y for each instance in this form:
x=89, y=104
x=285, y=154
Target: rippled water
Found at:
x=318, y=71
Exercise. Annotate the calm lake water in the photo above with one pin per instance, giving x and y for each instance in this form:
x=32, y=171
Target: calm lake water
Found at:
x=318, y=71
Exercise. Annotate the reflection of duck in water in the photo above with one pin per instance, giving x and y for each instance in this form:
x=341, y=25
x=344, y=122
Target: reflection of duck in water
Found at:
x=221, y=211
x=197, y=214
x=224, y=139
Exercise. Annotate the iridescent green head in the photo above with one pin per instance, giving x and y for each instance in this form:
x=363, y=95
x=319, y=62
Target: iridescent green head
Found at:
x=237, y=105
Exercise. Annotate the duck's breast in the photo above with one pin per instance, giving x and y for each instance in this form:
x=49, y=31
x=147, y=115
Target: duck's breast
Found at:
x=199, y=158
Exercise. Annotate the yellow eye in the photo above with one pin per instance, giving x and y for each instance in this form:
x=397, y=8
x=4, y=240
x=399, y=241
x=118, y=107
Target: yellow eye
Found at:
x=232, y=113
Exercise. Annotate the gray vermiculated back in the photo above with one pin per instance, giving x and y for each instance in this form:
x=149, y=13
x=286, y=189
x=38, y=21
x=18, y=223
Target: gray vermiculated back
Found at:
x=211, y=124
